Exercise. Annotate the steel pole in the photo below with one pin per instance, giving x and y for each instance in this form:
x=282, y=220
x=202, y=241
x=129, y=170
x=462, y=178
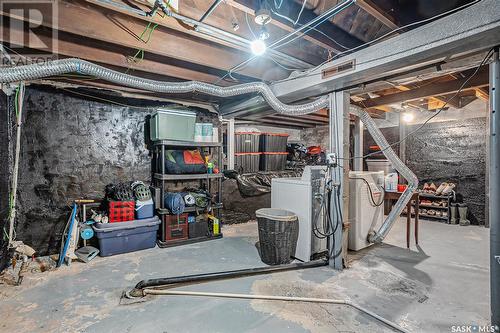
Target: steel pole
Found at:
x=495, y=190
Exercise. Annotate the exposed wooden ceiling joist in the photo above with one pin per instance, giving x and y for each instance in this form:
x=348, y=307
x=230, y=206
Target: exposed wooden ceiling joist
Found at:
x=291, y=9
x=117, y=28
x=439, y=88
x=373, y=9
x=68, y=46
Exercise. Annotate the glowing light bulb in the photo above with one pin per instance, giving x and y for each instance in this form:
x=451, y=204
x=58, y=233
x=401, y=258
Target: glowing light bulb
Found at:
x=258, y=47
x=408, y=117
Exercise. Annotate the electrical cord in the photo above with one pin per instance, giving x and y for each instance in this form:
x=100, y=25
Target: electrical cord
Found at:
x=483, y=62
x=338, y=55
x=372, y=199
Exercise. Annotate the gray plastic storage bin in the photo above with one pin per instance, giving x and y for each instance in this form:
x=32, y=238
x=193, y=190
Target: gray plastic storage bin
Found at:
x=247, y=142
x=273, y=161
x=273, y=142
x=124, y=237
x=172, y=124
x=247, y=162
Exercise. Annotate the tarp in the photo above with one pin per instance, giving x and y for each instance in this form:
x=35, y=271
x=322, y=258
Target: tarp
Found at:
x=259, y=183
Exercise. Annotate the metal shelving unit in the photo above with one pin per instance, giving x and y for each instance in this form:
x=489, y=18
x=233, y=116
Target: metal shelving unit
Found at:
x=212, y=182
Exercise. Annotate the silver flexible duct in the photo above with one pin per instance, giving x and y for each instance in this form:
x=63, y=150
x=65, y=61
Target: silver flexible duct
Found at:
x=59, y=67
x=378, y=236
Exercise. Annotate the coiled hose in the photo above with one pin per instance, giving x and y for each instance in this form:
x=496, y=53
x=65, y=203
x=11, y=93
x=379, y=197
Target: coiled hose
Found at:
x=385, y=147
x=73, y=65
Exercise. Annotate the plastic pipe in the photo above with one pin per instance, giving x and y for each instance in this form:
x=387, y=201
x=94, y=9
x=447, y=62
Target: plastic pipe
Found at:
x=73, y=65
x=164, y=282
x=278, y=298
x=385, y=147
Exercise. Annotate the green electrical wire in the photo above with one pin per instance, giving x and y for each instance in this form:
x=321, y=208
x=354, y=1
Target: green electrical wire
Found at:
x=150, y=28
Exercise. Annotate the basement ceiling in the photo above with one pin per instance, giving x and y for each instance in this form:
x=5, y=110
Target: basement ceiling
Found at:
x=108, y=32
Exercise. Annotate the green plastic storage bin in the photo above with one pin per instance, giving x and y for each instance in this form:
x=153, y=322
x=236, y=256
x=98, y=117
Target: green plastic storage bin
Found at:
x=172, y=125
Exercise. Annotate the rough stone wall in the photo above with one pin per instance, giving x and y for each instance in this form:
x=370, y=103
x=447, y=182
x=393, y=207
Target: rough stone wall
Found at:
x=73, y=147
x=442, y=151
x=453, y=151
x=316, y=136
x=238, y=209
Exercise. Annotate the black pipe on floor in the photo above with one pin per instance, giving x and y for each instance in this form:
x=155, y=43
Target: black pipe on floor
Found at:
x=164, y=282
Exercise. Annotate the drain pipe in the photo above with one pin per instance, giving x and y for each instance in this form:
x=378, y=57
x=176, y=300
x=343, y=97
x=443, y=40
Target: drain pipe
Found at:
x=138, y=291
x=278, y=298
x=210, y=10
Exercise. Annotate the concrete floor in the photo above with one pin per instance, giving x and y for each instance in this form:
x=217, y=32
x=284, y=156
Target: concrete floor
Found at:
x=443, y=282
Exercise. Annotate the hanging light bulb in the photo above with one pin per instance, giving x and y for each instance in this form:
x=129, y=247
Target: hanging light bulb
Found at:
x=408, y=117
x=258, y=47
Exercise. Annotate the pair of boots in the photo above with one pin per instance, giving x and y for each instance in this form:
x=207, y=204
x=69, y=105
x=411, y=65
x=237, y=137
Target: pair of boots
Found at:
x=461, y=217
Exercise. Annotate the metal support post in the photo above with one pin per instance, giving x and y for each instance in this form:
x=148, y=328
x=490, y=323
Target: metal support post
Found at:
x=403, y=128
x=339, y=144
x=495, y=189
x=358, y=144
x=230, y=144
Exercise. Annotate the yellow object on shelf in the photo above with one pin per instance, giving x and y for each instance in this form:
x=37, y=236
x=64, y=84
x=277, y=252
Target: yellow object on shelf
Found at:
x=215, y=223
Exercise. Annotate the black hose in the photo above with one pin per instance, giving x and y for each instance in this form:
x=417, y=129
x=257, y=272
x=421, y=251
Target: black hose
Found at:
x=163, y=282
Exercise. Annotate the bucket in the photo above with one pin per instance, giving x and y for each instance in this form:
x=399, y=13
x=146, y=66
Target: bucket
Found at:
x=278, y=234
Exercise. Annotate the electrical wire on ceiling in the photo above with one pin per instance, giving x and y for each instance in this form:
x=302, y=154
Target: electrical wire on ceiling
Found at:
x=310, y=71
x=275, y=12
x=483, y=62
x=282, y=41
x=301, y=11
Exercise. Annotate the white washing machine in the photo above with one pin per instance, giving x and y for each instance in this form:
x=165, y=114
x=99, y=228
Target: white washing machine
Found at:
x=298, y=195
x=366, y=209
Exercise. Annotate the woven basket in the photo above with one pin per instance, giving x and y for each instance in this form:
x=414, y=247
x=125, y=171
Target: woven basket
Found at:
x=278, y=234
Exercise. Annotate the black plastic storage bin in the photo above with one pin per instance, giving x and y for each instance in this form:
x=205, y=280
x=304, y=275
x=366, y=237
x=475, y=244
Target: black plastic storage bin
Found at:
x=273, y=161
x=247, y=142
x=124, y=237
x=247, y=162
x=273, y=142
x=278, y=234
x=198, y=229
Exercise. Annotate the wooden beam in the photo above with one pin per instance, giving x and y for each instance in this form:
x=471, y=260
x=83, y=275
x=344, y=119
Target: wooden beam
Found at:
x=113, y=27
x=281, y=25
x=374, y=10
x=435, y=103
x=439, y=88
x=482, y=94
x=103, y=54
x=291, y=9
x=291, y=124
x=303, y=120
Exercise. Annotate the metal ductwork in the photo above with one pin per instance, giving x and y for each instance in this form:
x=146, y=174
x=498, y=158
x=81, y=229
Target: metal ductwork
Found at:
x=385, y=147
x=59, y=67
